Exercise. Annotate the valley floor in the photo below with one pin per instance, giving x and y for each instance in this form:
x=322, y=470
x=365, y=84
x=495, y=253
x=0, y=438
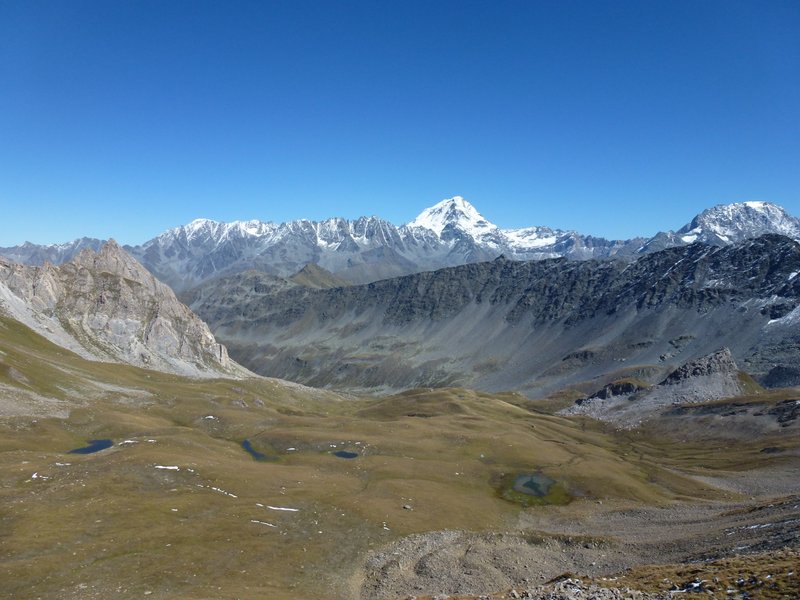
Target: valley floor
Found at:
x=259, y=489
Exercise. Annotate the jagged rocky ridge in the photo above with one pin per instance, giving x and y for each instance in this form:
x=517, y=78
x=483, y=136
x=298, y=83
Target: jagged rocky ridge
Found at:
x=536, y=326
x=367, y=249
x=106, y=306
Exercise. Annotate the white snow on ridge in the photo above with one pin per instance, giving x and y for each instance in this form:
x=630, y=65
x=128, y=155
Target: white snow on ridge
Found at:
x=220, y=231
x=791, y=319
x=757, y=204
x=530, y=237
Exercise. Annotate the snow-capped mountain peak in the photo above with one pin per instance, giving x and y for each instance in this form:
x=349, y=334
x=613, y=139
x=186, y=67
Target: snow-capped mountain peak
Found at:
x=195, y=228
x=454, y=213
x=730, y=223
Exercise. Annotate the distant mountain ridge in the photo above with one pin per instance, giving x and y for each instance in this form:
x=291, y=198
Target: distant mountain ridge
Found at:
x=39, y=254
x=728, y=224
x=534, y=326
x=366, y=249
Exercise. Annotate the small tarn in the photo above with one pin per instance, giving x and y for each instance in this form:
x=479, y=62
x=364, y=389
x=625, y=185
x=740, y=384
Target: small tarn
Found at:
x=536, y=484
x=94, y=446
x=259, y=456
x=532, y=489
x=345, y=454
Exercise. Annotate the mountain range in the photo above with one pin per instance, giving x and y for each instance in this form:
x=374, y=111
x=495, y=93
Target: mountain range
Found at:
x=450, y=233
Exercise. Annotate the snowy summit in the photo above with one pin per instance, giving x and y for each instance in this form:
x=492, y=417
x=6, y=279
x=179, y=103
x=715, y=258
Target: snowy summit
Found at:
x=455, y=213
x=730, y=223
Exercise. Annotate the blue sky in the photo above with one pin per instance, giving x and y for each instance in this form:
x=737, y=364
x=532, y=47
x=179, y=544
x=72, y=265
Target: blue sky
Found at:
x=122, y=119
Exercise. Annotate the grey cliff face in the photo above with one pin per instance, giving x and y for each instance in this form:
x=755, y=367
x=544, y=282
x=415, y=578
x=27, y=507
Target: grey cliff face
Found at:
x=535, y=325
x=105, y=305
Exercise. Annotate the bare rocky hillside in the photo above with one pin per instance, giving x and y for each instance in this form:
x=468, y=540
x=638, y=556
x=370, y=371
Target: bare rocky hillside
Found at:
x=105, y=306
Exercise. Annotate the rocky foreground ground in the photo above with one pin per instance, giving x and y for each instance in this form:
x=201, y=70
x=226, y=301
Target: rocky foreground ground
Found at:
x=568, y=589
x=743, y=551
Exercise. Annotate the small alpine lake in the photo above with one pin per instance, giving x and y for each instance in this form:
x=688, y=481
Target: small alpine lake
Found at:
x=94, y=446
x=259, y=456
x=345, y=454
x=532, y=489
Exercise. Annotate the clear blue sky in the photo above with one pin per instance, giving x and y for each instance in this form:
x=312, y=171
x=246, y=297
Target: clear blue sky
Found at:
x=616, y=118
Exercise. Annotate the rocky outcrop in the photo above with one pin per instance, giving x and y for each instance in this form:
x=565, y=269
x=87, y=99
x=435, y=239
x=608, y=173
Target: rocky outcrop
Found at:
x=105, y=305
x=719, y=363
x=707, y=378
x=704, y=379
x=616, y=388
